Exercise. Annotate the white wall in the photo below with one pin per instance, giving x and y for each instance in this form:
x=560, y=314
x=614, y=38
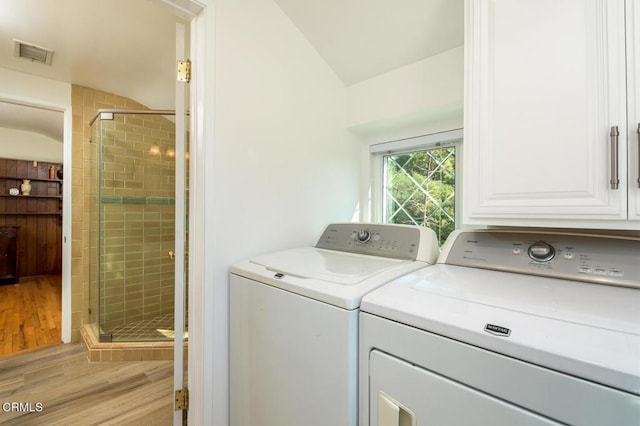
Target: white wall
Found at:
x=284, y=162
x=417, y=99
x=279, y=166
x=32, y=90
x=23, y=145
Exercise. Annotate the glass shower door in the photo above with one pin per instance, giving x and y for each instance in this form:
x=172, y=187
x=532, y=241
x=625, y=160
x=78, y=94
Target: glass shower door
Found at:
x=132, y=299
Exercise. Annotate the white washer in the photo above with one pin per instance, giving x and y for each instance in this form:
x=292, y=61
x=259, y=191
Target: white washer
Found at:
x=294, y=322
x=508, y=328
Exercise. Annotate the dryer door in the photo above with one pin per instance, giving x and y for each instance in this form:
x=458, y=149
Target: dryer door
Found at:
x=402, y=394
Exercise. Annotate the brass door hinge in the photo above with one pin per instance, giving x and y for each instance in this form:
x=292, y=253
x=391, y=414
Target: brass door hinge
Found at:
x=182, y=399
x=184, y=71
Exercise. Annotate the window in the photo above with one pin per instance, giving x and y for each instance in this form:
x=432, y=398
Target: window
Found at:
x=418, y=182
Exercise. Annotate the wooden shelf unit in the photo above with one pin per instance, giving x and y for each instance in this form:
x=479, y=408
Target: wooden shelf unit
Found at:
x=32, y=196
x=31, y=178
x=39, y=215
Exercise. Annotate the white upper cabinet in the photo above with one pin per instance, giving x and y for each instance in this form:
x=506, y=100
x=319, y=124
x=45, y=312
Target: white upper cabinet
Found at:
x=545, y=83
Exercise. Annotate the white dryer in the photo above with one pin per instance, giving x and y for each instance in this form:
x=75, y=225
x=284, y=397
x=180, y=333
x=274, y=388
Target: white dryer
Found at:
x=509, y=328
x=294, y=322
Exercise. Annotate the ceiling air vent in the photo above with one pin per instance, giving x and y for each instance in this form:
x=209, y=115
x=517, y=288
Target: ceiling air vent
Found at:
x=32, y=52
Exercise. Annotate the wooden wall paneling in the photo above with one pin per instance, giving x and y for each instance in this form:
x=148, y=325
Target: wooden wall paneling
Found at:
x=50, y=243
x=20, y=205
x=21, y=220
x=56, y=225
x=31, y=245
x=41, y=245
x=49, y=253
x=11, y=168
x=21, y=168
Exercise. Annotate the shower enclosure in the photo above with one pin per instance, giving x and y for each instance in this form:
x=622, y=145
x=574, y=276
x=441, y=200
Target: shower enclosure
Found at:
x=132, y=209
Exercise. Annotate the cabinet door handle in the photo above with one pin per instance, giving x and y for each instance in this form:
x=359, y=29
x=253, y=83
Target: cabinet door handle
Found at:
x=638, y=155
x=614, y=157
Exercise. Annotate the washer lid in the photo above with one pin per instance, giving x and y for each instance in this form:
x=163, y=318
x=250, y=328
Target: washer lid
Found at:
x=587, y=330
x=326, y=265
x=328, y=276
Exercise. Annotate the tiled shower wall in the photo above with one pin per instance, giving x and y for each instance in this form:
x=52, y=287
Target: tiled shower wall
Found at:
x=138, y=211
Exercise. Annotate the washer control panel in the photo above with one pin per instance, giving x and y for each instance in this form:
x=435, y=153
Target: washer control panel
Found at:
x=596, y=258
x=386, y=240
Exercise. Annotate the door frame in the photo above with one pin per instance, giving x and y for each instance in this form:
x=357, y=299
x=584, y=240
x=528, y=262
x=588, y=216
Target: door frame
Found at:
x=200, y=14
x=197, y=13
x=65, y=108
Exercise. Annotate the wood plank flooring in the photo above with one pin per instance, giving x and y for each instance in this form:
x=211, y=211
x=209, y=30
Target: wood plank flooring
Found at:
x=73, y=391
x=30, y=314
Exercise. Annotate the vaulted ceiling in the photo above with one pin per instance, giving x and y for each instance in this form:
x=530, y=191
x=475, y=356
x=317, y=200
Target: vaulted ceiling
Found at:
x=127, y=46
x=361, y=39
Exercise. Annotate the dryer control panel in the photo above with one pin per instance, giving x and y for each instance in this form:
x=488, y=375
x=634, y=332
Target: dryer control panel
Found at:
x=378, y=239
x=603, y=259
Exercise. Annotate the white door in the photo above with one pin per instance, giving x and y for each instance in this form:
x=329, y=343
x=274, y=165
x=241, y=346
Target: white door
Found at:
x=182, y=170
x=545, y=82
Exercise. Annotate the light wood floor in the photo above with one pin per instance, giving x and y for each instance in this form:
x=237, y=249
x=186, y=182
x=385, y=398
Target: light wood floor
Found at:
x=30, y=314
x=73, y=391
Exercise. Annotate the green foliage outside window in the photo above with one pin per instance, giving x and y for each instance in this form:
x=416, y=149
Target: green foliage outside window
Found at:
x=419, y=189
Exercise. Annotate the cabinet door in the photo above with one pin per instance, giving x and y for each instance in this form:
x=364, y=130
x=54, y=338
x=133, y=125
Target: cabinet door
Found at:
x=633, y=91
x=544, y=83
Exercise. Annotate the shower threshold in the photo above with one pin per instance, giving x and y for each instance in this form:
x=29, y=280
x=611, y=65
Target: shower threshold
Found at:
x=125, y=351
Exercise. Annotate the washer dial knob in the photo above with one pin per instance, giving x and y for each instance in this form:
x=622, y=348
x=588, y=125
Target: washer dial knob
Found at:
x=541, y=251
x=363, y=235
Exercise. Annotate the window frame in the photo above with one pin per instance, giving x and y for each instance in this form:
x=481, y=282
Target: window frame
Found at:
x=403, y=146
